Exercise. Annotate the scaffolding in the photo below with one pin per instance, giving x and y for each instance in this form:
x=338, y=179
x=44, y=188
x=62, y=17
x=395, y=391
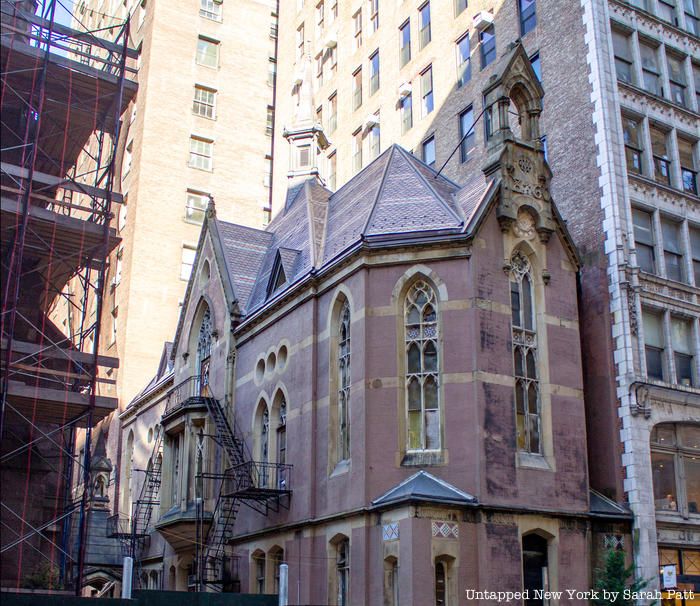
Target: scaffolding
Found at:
x=63, y=91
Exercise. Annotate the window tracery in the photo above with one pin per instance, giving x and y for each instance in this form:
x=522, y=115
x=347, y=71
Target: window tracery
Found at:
x=344, y=383
x=527, y=397
x=422, y=368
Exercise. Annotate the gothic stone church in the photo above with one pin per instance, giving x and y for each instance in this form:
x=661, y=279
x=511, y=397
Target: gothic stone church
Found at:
x=383, y=388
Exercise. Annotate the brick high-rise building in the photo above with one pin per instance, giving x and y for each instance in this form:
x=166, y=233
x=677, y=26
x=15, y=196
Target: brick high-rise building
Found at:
x=201, y=126
x=620, y=128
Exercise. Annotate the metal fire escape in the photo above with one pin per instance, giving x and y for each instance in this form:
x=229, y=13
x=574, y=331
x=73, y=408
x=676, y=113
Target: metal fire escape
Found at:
x=262, y=486
x=133, y=533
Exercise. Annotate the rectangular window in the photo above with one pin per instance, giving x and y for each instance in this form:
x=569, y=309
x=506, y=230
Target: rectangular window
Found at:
x=320, y=16
x=406, y=113
x=692, y=17
x=662, y=164
x=653, y=344
x=270, y=121
x=207, y=52
x=319, y=69
x=676, y=77
x=689, y=175
x=271, y=72
x=644, y=240
x=460, y=6
x=528, y=16
x=673, y=255
x=633, y=146
x=333, y=13
x=187, y=261
x=696, y=79
x=426, y=86
x=487, y=39
x=357, y=150
x=664, y=481
x=333, y=59
x=357, y=23
x=428, y=148
x=374, y=14
x=332, y=171
x=405, y=43
x=201, y=153
x=267, y=178
x=204, y=103
x=357, y=88
x=300, y=42
x=650, y=68
x=374, y=140
x=374, y=73
x=667, y=11
x=210, y=9
x=466, y=133
x=128, y=158
x=332, y=113
x=424, y=20
x=536, y=66
x=623, y=56
x=695, y=252
x=195, y=206
x=464, y=65
x=681, y=341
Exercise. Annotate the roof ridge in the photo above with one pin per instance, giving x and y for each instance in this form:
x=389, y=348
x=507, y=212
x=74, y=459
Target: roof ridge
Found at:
x=248, y=227
x=430, y=187
x=370, y=216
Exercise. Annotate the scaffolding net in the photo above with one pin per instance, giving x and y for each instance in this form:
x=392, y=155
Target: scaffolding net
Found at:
x=63, y=91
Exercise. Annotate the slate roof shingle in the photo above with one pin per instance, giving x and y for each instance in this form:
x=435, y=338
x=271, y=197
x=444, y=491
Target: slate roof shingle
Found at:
x=395, y=194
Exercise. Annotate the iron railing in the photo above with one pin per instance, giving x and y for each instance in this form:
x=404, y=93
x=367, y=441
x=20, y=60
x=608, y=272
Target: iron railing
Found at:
x=196, y=386
x=254, y=476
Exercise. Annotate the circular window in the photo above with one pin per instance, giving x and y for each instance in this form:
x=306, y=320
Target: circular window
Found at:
x=270, y=363
x=282, y=358
x=259, y=370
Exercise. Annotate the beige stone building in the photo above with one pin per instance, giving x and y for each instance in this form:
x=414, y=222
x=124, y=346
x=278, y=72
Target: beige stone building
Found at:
x=201, y=126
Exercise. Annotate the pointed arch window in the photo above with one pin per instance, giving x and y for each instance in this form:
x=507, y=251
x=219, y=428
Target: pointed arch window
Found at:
x=282, y=444
x=204, y=352
x=422, y=368
x=264, y=446
x=344, y=383
x=527, y=396
x=342, y=568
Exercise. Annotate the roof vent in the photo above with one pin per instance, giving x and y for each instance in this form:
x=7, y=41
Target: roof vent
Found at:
x=482, y=20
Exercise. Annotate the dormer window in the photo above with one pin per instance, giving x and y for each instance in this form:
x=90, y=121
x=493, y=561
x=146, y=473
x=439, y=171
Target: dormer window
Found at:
x=278, y=277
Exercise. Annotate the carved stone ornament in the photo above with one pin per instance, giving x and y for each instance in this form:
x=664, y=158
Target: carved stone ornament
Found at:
x=642, y=402
x=524, y=225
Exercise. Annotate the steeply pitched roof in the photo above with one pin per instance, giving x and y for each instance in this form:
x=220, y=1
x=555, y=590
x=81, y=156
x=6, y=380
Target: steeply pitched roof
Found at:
x=425, y=487
x=601, y=506
x=244, y=250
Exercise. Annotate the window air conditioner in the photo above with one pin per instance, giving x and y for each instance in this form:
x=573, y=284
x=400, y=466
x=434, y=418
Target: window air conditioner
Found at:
x=331, y=41
x=371, y=120
x=405, y=89
x=482, y=20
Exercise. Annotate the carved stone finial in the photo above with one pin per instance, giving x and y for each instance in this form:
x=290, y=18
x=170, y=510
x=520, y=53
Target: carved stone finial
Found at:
x=211, y=208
